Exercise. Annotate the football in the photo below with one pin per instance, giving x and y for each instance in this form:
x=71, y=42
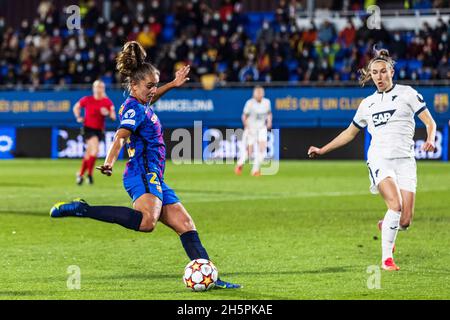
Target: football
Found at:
x=200, y=275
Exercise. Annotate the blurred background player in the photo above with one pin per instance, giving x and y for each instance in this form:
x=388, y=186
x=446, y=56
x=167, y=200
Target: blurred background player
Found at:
x=143, y=178
x=257, y=119
x=389, y=116
x=96, y=108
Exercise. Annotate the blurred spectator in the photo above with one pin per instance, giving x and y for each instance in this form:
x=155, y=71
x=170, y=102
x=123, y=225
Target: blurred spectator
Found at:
x=249, y=73
x=2, y=28
x=443, y=68
x=280, y=71
x=398, y=46
x=348, y=35
x=327, y=32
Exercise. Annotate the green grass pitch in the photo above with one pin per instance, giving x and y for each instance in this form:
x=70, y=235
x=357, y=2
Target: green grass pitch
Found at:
x=308, y=232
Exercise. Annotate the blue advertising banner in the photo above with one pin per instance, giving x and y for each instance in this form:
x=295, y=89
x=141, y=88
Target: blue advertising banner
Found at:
x=68, y=143
x=292, y=107
x=7, y=142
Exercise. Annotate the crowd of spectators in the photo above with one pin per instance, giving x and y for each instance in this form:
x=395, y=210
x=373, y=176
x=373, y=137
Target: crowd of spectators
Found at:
x=231, y=45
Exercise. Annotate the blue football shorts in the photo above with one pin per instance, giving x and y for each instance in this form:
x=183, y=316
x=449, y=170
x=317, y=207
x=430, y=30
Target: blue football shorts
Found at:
x=138, y=185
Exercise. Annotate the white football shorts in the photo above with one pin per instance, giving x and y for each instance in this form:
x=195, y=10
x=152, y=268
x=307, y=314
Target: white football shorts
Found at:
x=402, y=170
x=250, y=136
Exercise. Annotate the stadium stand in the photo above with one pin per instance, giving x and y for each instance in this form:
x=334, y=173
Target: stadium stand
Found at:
x=224, y=43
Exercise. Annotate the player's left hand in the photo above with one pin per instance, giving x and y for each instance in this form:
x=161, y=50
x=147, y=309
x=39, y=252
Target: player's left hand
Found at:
x=428, y=146
x=181, y=76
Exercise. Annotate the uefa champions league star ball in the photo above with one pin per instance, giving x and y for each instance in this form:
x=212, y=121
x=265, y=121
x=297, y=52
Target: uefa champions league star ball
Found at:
x=200, y=275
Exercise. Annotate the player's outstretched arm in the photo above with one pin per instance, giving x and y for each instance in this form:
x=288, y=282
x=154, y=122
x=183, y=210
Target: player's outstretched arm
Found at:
x=341, y=140
x=428, y=121
x=181, y=76
x=119, y=140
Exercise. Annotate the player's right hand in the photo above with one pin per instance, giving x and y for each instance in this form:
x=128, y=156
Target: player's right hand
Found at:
x=314, y=152
x=105, y=169
x=80, y=119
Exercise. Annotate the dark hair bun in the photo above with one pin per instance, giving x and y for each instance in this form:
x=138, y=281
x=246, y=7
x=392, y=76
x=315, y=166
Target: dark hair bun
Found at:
x=130, y=58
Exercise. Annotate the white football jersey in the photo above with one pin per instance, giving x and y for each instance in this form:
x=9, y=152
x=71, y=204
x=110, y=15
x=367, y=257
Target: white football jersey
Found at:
x=389, y=118
x=257, y=113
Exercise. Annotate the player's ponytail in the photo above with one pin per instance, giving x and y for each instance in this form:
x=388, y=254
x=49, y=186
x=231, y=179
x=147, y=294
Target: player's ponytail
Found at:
x=131, y=64
x=379, y=55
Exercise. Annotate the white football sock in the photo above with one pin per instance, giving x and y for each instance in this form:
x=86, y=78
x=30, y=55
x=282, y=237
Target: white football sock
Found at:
x=242, y=158
x=257, y=161
x=389, y=231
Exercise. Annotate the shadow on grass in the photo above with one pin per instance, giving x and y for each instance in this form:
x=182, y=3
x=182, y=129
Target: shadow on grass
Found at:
x=25, y=212
x=171, y=276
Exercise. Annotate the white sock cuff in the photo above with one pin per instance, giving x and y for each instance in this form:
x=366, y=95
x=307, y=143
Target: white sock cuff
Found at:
x=393, y=214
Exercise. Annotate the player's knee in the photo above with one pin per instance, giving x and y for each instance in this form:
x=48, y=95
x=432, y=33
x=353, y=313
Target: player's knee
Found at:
x=148, y=222
x=147, y=225
x=187, y=225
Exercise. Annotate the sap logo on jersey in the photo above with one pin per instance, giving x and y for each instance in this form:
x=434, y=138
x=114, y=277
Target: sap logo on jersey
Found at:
x=381, y=118
x=129, y=114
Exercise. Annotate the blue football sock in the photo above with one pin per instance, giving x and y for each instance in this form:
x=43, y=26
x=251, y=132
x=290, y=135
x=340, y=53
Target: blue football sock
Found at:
x=126, y=217
x=193, y=246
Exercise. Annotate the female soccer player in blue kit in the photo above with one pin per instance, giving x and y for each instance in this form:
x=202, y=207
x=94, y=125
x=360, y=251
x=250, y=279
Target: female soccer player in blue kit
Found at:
x=141, y=130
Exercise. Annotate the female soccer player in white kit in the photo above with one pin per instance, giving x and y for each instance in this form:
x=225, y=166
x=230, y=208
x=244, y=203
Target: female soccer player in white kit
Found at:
x=389, y=116
x=257, y=119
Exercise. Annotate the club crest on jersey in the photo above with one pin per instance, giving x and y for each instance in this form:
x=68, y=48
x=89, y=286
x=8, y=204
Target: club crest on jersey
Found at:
x=129, y=114
x=382, y=118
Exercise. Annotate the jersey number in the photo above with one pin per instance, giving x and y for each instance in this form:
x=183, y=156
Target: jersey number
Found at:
x=153, y=178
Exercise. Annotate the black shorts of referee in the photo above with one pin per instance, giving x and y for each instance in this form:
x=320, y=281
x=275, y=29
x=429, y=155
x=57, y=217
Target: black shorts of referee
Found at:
x=88, y=133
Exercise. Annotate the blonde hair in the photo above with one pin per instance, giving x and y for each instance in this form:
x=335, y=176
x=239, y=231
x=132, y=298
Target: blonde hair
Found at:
x=380, y=55
x=97, y=82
